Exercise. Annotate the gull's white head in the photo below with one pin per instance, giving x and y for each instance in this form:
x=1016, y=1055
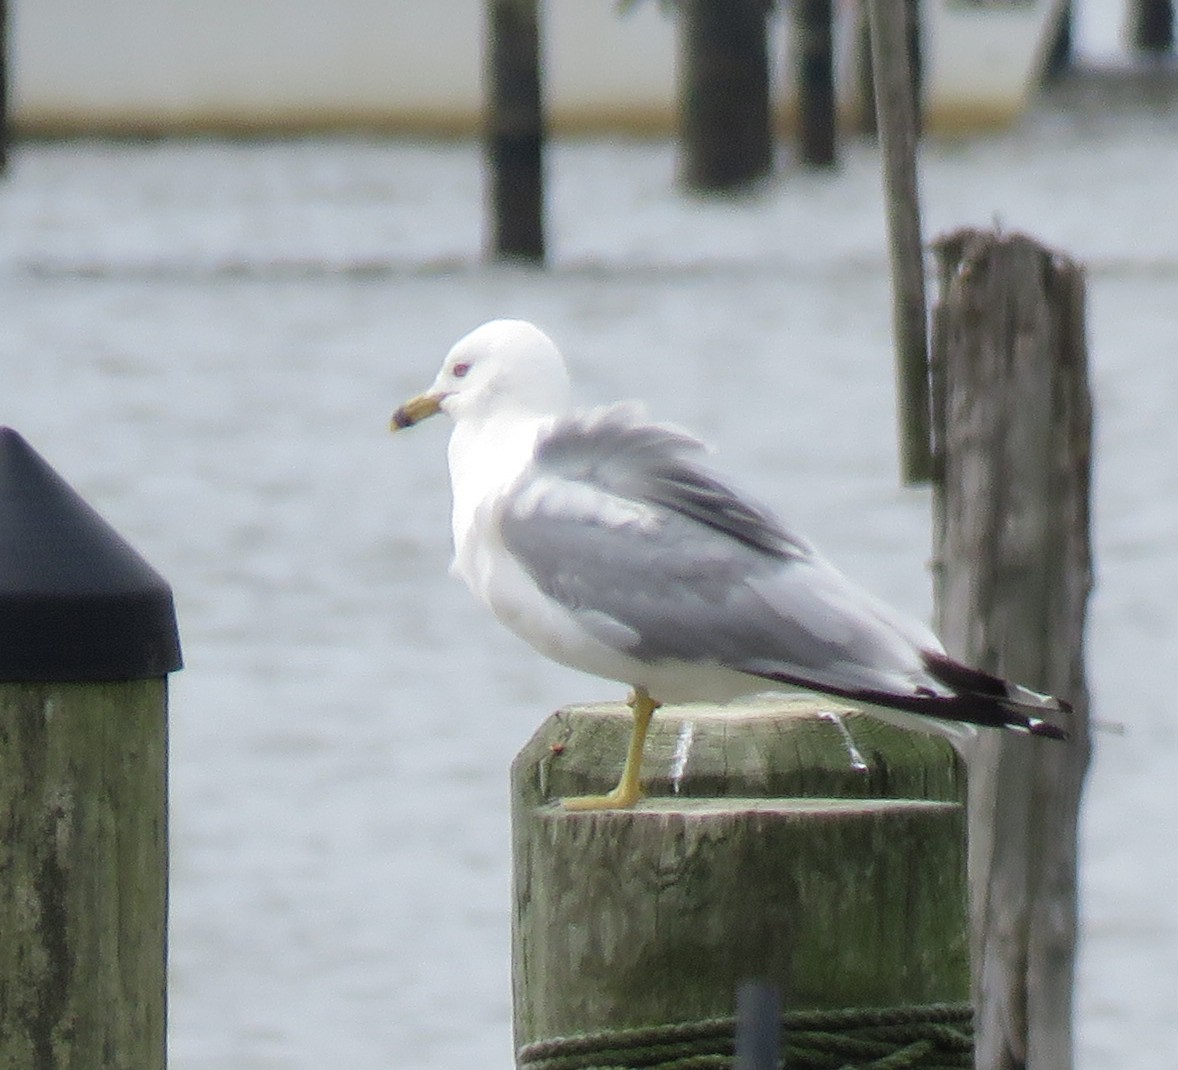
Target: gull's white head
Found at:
x=503, y=367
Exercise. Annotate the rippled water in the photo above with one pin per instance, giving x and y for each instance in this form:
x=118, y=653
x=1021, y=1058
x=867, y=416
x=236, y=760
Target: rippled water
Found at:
x=207, y=338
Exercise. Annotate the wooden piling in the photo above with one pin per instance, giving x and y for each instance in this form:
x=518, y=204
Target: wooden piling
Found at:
x=821, y=854
x=83, y=903
x=514, y=130
x=724, y=119
x=1013, y=568
x=867, y=109
x=814, y=43
x=1151, y=26
x=87, y=636
x=5, y=78
x=1059, y=53
x=897, y=123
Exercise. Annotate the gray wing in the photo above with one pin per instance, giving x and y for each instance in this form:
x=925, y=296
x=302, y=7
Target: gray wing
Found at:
x=617, y=522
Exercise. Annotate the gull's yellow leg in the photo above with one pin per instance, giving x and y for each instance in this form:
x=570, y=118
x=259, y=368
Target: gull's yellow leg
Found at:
x=629, y=790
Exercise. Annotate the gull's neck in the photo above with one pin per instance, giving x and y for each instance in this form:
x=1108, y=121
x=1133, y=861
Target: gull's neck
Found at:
x=486, y=456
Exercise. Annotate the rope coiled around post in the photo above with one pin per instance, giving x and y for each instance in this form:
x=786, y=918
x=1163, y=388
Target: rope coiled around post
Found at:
x=936, y=1036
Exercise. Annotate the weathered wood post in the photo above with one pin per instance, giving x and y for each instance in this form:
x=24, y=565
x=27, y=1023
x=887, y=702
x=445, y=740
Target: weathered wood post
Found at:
x=868, y=108
x=864, y=77
x=87, y=638
x=896, y=119
x=724, y=122
x=514, y=130
x=1014, y=571
x=1151, y=26
x=819, y=852
x=814, y=43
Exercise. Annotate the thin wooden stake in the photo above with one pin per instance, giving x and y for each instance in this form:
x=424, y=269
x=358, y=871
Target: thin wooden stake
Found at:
x=5, y=77
x=896, y=119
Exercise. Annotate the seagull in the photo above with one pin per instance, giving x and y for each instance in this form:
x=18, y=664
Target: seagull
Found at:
x=605, y=542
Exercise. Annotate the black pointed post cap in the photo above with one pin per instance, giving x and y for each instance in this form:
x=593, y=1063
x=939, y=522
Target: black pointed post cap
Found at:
x=77, y=603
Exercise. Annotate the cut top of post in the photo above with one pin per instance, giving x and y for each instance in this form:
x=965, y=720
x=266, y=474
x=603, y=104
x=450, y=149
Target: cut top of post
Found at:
x=77, y=603
x=784, y=750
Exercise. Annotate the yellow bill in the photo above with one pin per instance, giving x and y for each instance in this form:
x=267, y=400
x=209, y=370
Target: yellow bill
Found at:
x=415, y=410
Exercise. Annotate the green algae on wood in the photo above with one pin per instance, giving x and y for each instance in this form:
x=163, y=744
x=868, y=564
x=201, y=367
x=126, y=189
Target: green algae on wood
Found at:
x=83, y=850
x=807, y=845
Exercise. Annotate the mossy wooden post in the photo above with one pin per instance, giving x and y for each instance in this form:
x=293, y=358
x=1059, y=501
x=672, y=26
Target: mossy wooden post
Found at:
x=724, y=122
x=87, y=638
x=821, y=853
x=1014, y=571
x=514, y=130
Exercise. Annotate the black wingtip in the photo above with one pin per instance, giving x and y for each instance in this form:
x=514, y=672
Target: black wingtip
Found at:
x=1047, y=731
x=982, y=699
x=977, y=690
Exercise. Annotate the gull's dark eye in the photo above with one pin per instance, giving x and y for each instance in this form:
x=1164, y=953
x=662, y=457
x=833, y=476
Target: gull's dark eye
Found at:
x=460, y=369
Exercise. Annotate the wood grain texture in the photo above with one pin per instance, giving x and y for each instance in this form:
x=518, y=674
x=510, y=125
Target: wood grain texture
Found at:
x=83, y=853
x=778, y=859
x=1014, y=572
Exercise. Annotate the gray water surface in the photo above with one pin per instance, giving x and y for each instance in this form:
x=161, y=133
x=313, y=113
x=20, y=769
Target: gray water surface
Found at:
x=207, y=339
